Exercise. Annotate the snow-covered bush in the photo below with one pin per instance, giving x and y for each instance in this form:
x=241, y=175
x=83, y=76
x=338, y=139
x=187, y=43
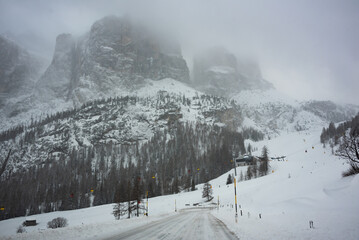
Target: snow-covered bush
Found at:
x=20, y=229
x=58, y=222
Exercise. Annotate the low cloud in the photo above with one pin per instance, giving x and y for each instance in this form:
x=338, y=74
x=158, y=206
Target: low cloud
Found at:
x=308, y=49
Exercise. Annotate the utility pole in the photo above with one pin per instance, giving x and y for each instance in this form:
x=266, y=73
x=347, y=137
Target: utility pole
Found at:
x=235, y=185
x=197, y=175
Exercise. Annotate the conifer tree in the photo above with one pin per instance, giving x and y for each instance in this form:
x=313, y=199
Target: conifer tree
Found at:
x=264, y=166
x=193, y=187
x=249, y=173
x=207, y=192
x=229, y=179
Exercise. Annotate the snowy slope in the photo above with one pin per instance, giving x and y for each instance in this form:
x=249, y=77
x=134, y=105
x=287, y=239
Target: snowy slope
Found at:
x=37, y=109
x=273, y=112
x=315, y=191
x=169, y=85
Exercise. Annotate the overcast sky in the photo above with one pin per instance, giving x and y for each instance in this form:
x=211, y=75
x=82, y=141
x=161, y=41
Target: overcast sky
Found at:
x=307, y=48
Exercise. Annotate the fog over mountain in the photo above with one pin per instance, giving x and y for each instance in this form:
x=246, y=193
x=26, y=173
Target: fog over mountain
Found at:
x=306, y=49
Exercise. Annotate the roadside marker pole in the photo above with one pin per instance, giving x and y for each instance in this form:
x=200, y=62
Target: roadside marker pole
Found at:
x=235, y=186
x=147, y=204
x=235, y=198
x=218, y=204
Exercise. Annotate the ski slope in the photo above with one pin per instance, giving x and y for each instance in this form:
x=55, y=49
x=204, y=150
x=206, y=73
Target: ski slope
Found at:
x=315, y=191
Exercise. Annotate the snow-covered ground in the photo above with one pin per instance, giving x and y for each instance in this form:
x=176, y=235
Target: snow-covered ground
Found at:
x=170, y=85
x=307, y=186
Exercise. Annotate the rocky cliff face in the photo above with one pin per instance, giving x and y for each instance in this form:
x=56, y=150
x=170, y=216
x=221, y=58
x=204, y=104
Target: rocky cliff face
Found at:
x=114, y=58
x=116, y=55
x=56, y=80
x=18, y=70
x=219, y=72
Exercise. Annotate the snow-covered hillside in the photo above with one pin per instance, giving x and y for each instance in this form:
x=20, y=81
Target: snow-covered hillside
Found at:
x=307, y=186
x=150, y=88
x=123, y=120
x=274, y=112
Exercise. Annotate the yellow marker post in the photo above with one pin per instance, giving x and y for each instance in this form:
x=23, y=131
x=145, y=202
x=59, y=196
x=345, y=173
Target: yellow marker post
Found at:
x=235, y=198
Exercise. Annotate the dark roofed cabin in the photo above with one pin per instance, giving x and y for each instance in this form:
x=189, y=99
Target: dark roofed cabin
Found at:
x=244, y=161
x=30, y=222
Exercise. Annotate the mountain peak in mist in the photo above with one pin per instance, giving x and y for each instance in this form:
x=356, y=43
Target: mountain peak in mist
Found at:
x=116, y=54
x=218, y=71
x=18, y=69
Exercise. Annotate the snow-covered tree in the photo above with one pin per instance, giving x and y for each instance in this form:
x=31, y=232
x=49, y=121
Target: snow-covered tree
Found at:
x=264, y=166
x=241, y=178
x=249, y=174
x=207, y=191
x=229, y=179
x=349, y=150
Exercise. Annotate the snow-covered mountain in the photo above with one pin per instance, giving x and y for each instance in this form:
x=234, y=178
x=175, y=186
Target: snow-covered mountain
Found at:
x=119, y=57
x=135, y=119
x=219, y=72
x=113, y=59
x=115, y=56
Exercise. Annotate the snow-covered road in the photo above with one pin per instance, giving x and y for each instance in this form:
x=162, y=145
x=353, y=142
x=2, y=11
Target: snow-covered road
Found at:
x=189, y=224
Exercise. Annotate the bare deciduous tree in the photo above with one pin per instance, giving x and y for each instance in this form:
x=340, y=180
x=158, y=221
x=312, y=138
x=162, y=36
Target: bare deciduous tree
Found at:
x=349, y=150
x=128, y=208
